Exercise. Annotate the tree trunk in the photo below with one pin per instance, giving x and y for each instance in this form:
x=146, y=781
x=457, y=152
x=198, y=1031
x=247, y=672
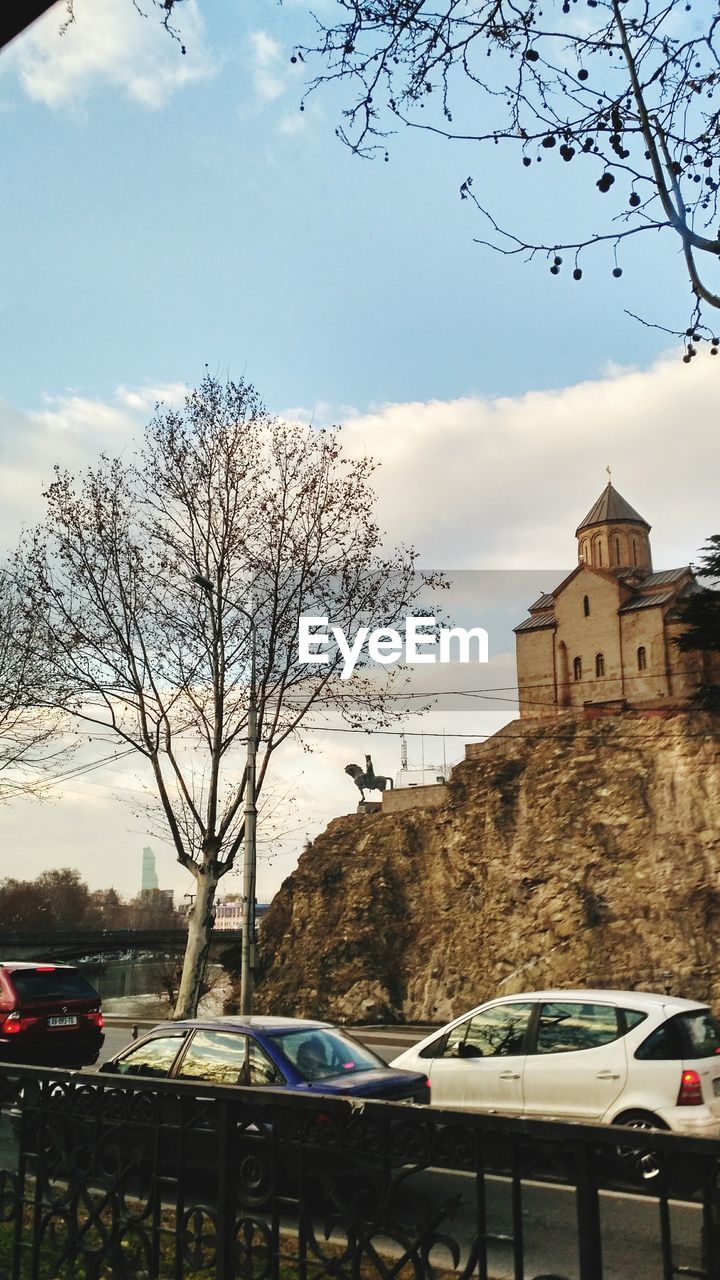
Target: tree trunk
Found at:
x=200, y=923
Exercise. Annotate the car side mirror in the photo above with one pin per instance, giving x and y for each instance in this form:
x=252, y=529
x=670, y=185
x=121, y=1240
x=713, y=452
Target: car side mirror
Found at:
x=108, y=1068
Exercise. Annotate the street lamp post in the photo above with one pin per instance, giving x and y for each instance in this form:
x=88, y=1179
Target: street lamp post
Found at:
x=247, y=958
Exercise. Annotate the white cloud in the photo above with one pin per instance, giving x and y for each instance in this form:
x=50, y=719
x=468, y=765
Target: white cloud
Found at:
x=70, y=430
x=77, y=416
x=110, y=43
x=143, y=399
x=503, y=483
x=268, y=63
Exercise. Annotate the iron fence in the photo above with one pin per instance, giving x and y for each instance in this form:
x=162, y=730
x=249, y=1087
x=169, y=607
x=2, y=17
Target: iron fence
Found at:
x=156, y=1180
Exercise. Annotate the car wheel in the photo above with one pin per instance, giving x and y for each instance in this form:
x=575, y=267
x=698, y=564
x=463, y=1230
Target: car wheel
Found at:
x=646, y=1165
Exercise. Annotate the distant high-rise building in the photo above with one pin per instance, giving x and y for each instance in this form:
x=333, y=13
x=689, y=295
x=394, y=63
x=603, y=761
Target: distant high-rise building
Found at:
x=149, y=874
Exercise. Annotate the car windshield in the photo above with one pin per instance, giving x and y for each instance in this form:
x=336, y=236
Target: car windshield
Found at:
x=321, y=1052
x=52, y=984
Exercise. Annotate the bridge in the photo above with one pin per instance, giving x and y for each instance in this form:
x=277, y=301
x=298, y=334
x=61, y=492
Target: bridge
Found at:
x=73, y=944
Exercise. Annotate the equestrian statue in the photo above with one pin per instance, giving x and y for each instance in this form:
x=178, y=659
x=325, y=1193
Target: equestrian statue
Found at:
x=369, y=780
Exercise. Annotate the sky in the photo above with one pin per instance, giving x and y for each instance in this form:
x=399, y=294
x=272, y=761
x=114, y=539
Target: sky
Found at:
x=164, y=212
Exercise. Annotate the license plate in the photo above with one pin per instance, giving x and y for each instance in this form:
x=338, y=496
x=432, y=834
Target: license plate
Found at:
x=716, y=1086
x=63, y=1022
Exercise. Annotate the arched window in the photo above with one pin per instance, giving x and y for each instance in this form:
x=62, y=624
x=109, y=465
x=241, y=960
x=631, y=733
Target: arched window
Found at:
x=586, y=606
x=617, y=550
x=577, y=668
x=634, y=551
x=642, y=658
x=599, y=664
x=585, y=551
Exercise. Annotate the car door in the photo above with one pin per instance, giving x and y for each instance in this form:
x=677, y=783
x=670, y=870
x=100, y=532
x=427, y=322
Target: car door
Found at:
x=578, y=1063
x=222, y=1057
x=479, y=1065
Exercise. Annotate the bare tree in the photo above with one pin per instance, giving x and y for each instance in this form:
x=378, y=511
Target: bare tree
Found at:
x=30, y=748
x=618, y=94
x=280, y=522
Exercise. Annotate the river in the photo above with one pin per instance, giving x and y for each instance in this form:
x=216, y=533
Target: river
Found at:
x=132, y=986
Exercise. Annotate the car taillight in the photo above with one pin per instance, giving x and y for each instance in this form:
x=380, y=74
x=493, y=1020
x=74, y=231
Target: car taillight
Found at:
x=95, y=1018
x=14, y=1024
x=690, y=1094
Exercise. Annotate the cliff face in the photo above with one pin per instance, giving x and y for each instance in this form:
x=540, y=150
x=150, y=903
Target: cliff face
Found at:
x=570, y=854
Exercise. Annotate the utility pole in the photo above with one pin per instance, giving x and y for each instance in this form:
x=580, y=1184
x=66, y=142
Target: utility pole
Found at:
x=247, y=955
x=247, y=947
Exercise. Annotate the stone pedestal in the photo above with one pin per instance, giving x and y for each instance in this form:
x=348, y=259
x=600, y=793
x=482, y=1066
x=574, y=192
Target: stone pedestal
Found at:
x=369, y=806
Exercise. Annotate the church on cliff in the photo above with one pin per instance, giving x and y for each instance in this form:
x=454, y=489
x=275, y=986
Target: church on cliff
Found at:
x=602, y=641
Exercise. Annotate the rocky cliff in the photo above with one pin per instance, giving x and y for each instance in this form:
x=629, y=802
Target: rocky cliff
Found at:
x=580, y=853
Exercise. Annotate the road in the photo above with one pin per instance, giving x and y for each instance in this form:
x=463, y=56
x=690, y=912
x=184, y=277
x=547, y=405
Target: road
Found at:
x=629, y=1223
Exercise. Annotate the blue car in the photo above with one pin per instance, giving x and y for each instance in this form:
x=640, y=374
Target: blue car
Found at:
x=281, y=1053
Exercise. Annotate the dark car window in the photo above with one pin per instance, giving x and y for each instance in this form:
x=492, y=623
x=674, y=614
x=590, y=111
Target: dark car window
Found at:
x=567, y=1027
x=52, y=984
x=632, y=1018
x=701, y=1032
x=687, y=1035
x=153, y=1058
x=319, y=1052
x=495, y=1032
x=662, y=1045
x=261, y=1068
x=215, y=1056
x=435, y=1048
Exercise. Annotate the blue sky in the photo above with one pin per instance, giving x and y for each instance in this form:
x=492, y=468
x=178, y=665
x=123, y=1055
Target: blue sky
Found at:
x=162, y=212
x=211, y=220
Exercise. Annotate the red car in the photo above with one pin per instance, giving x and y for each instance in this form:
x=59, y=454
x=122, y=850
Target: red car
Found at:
x=50, y=1015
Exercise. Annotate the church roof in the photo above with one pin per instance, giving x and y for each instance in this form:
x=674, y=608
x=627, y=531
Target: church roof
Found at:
x=538, y=623
x=611, y=508
x=665, y=576
x=666, y=587
x=648, y=602
x=545, y=601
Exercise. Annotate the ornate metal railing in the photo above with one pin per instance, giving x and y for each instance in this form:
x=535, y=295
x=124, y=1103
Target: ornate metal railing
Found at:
x=143, y=1180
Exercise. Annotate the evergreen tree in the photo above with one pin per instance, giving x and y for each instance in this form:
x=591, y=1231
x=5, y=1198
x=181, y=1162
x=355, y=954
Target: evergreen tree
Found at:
x=701, y=613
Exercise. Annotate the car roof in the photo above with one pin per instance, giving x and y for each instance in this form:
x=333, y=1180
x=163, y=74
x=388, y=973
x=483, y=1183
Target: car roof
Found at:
x=255, y=1022
x=639, y=999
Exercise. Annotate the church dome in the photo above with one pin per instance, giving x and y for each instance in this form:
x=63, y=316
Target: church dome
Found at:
x=614, y=536
x=611, y=508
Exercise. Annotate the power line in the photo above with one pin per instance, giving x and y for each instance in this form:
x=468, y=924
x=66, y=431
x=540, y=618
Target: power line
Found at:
x=468, y=736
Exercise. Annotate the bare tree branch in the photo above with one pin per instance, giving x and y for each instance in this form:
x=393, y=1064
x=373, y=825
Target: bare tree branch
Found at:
x=626, y=90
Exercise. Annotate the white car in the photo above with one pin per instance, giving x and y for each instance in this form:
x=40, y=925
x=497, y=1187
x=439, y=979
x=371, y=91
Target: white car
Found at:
x=613, y=1057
